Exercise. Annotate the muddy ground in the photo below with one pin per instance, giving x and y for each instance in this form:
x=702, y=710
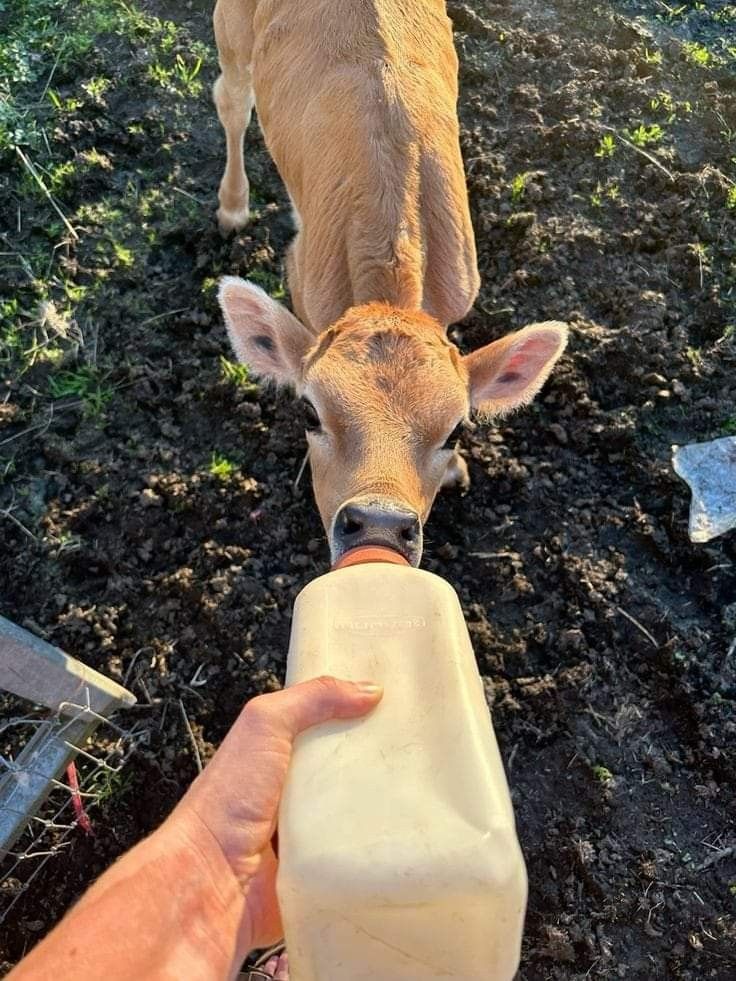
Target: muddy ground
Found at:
x=605, y=636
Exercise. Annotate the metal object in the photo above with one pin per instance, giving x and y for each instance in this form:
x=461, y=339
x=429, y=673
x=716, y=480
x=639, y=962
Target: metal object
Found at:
x=78, y=699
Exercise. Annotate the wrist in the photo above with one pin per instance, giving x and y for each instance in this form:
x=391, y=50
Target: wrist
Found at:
x=220, y=908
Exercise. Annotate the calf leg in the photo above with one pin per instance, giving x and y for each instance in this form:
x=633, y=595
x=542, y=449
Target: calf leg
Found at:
x=233, y=96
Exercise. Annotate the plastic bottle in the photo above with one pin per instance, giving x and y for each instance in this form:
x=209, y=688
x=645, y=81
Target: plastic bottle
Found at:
x=398, y=856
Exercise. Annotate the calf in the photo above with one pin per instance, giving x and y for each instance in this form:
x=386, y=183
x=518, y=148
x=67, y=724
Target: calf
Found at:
x=357, y=102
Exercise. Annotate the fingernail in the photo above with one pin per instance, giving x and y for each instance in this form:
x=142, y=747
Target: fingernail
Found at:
x=368, y=687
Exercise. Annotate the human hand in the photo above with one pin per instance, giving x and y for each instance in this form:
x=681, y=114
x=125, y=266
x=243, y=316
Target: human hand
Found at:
x=231, y=809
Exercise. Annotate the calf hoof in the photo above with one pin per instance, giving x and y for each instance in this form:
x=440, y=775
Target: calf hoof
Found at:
x=232, y=221
x=457, y=474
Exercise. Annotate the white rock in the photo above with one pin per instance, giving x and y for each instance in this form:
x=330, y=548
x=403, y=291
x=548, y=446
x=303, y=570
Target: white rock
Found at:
x=709, y=469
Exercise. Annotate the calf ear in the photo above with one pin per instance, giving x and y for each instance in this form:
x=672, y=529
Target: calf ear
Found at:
x=509, y=372
x=263, y=333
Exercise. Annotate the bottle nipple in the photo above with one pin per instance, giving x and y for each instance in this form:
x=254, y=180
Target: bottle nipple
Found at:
x=369, y=553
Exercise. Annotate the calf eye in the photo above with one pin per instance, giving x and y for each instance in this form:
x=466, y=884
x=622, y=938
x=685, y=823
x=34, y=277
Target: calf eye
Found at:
x=311, y=418
x=454, y=436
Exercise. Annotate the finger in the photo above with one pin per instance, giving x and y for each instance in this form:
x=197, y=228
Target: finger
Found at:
x=311, y=703
x=282, y=969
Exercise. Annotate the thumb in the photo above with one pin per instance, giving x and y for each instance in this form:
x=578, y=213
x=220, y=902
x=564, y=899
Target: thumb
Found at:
x=319, y=700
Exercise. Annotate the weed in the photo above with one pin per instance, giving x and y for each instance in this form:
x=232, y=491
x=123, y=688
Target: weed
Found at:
x=65, y=541
x=726, y=14
x=59, y=177
x=672, y=12
x=159, y=74
x=7, y=468
x=221, y=467
x=602, y=774
x=664, y=102
x=106, y=784
x=85, y=384
x=652, y=57
x=93, y=158
x=694, y=356
x=180, y=77
x=70, y=104
x=644, y=135
x=698, y=54
x=518, y=187
x=728, y=428
x=609, y=190
x=270, y=282
x=607, y=146
x=188, y=76
x=236, y=373
x=124, y=255
x=731, y=196
x=96, y=88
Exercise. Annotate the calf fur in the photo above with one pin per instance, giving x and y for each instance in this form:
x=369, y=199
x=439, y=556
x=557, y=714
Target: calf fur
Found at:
x=357, y=103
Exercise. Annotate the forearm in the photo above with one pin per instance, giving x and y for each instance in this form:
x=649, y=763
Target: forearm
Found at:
x=169, y=909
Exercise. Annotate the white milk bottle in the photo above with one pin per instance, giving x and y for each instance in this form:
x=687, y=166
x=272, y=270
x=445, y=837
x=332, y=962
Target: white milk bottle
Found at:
x=398, y=852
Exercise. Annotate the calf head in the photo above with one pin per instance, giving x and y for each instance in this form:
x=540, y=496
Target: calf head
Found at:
x=384, y=395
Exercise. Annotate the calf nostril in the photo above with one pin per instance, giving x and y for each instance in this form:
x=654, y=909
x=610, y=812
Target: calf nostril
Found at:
x=350, y=526
x=409, y=534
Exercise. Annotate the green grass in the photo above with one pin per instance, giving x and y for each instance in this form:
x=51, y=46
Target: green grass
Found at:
x=85, y=384
x=60, y=65
x=106, y=784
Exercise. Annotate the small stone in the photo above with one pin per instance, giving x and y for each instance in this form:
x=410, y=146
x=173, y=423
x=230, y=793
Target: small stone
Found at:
x=448, y=551
x=678, y=388
x=560, y=433
x=655, y=379
x=150, y=499
x=571, y=640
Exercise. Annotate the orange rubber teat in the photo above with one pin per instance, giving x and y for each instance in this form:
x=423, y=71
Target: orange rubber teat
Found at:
x=370, y=553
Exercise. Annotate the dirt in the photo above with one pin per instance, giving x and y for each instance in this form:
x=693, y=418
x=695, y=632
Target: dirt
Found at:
x=605, y=637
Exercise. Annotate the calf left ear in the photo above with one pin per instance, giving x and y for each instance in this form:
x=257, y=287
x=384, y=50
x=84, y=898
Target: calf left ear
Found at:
x=510, y=371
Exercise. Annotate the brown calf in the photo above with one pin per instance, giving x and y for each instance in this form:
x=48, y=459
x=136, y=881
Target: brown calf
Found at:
x=357, y=102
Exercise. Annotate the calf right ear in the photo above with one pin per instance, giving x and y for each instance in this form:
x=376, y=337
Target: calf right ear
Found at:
x=263, y=333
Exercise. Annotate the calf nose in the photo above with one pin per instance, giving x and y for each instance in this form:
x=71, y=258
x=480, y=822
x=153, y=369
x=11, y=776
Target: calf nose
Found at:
x=377, y=522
